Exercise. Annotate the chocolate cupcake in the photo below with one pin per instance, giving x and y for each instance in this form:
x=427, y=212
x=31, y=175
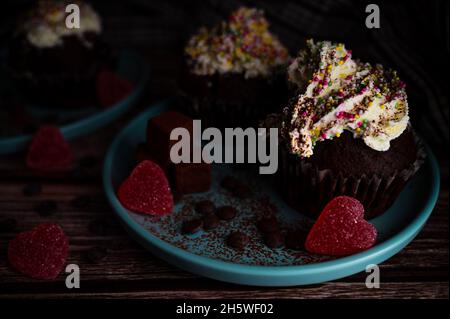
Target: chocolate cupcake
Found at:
x=54, y=65
x=346, y=132
x=233, y=73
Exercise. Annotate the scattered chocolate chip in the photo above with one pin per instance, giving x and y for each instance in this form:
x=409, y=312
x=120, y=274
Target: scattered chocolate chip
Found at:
x=88, y=161
x=81, y=201
x=101, y=226
x=296, y=239
x=32, y=189
x=7, y=225
x=210, y=222
x=229, y=183
x=46, y=208
x=96, y=254
x=226, y=212
x=241, y=191
x=192, y=226
x=274, y=239
x=268, y=225
x=238, y=240
x=205, y=207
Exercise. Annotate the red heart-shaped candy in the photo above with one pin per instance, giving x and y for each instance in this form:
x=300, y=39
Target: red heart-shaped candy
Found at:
x=341, y=229
x=147, y=190
x=39, y=253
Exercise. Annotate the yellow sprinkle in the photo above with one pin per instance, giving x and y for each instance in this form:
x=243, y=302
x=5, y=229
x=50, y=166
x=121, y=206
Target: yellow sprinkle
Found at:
x=356, y=116
x=320, y=85
x=370, y=103
x=341, y=62
x=338, y=134
x=309, y=81
x=358, y=129
x=382, y=106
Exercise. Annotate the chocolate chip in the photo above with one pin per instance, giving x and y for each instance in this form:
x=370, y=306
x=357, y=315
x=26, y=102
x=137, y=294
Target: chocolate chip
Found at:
x=101, y=226
x=81, y=201
x=226, y=212
x=274, y=239
x=192, y=226
x=268, y=225
x=205, y=207
x=32, y=189
x=238, y=240
x=229, y=183
x=46, y=208
x=210, y=222
x=7, y=225
x=96, y=254
x=296, y=239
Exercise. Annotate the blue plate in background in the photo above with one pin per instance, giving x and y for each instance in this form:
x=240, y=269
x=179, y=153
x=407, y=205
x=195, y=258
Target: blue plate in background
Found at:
x=206, y=254
x=131, y=66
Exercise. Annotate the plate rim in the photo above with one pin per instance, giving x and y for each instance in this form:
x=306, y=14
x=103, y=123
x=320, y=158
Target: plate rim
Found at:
x=397, y=241
x=86, y=125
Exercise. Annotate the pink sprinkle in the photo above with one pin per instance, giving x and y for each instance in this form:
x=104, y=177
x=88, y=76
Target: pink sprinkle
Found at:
x=346, y=57
x=349, y=52
x=402, y=84
x=359, y=124
x=340, y=94
x=324, y=136
x=315, y=79
x=349, y=77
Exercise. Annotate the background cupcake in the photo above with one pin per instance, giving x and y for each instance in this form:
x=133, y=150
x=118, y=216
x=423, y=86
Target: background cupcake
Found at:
x=54, y=65
x=346, y=132
x=234, y=72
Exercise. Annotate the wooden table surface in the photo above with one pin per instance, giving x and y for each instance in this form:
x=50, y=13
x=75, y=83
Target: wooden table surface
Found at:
x=128, y=271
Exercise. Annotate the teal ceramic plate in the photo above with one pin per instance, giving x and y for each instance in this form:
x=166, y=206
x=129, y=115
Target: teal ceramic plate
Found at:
x=77, y=123
x=206, y=254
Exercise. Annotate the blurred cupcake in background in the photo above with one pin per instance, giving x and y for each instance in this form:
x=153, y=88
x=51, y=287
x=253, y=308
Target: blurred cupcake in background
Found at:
x=235, y=72
x=54, y=65
x=345, y=132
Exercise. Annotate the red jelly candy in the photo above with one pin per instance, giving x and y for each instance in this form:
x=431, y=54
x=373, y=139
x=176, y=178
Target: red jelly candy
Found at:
x=49, y=151
x=111, y=88
x=39, y=253
x=147, y=190
x=341, y=229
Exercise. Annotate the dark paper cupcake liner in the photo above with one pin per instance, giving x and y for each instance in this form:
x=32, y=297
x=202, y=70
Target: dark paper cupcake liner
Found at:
x=308, y=189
